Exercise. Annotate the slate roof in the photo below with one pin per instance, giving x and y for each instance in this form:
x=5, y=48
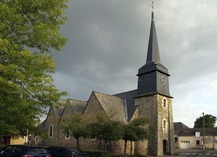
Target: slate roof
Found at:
x=178, y=126
x=129, y=97
x=77, y=105
x=191, y=132
x=153, y=50
x=41, y=125
x=112, y=105
x=153, y=55
x=58, y=110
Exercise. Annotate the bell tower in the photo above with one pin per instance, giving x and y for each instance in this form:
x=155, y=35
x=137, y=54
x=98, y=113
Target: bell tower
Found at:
x=154, y=100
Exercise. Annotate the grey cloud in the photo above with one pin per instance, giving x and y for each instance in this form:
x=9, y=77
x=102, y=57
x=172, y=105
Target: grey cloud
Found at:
x=107, y=44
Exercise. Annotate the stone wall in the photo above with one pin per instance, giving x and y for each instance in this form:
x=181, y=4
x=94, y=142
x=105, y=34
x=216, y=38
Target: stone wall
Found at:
x=93, y=107
x=159, y=110
x=53, y=121
x=88, y=144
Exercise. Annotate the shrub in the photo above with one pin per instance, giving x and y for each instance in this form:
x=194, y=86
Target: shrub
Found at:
x=136, y=155
x=98, y=153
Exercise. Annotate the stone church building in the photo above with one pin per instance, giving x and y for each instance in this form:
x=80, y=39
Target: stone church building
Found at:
x=151, y=98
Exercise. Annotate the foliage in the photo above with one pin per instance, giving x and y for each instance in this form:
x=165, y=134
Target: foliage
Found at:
x=136, y=155
x=29, y=29
x=32, y=23
x=136, y=130
x=209, y=121
x=105, y=129
x=94, y=153
x=76, y=125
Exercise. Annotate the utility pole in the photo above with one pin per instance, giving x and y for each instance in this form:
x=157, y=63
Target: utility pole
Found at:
x=203, y=130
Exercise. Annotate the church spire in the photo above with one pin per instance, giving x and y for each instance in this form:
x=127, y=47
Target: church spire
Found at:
x=153, y=99
x=153, y=76
x=153, y=50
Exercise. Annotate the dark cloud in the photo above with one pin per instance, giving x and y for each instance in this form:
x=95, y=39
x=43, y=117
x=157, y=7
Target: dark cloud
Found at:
x=107, y=44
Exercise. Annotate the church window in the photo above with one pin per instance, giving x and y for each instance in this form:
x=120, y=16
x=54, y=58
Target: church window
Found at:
x=164, y=102
x=67, y=134
x=51, y=131
x=164, y=124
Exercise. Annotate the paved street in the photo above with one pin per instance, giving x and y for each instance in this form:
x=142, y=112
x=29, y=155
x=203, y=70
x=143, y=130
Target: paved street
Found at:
x=196, y=153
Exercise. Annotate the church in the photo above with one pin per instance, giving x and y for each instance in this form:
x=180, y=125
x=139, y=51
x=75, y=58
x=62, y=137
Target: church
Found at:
x=151, y=98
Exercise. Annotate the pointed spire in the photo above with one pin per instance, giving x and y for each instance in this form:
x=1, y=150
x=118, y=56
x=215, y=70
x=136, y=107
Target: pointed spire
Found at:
x=152, y=75
x=153, y=50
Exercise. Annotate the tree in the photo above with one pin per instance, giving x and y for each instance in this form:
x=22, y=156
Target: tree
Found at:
x=136, y=130
x=105, y=129
x=75, y=125
x=29, y=29
x=209, y=121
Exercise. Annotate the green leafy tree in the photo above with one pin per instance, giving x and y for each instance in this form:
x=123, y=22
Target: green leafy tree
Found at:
x=136, y=130
x=105, y=129
x=75, y=125
x=29, y=29
x=112, y=131
x=209, y=121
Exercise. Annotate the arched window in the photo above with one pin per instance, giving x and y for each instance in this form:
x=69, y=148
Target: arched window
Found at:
x=67, y=134
x=51, y=131
x=164, y=124
x=164, y=102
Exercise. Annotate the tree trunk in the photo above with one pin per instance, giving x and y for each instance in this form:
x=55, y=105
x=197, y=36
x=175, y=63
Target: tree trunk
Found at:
x=125, y=148
x=110, y=146
x=99, y=147
x=131, y=147
x=105, y=146
x=78, y=143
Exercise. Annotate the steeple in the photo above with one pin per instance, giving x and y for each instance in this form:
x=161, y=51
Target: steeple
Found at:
x=153, y=50
x=154, y=101
x=153, y=73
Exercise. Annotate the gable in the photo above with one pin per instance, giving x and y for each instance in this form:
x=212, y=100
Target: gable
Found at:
x=54, y=115
x=73, y=106
x=93, y=107
x=112, y=106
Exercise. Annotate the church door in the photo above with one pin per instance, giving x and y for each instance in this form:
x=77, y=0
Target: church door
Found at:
x=165, y=147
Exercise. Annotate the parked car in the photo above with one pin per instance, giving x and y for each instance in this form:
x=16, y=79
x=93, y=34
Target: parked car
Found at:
x=56, y=151
x=23, y=151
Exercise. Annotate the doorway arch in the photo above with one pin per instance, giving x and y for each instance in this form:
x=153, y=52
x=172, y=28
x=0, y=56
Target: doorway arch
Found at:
x=165, y=143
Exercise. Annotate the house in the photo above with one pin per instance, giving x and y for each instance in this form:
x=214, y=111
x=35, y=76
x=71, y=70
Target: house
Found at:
x=202, y=138
x=14, y=140
x=151, y=98
x=178, y=127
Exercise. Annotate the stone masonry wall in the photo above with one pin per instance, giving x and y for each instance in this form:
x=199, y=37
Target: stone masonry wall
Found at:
x=51, y=120
x=161, y=116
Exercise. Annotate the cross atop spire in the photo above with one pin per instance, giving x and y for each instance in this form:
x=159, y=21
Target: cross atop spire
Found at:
x=152, y=6
x=153, y=50
x=152, y=13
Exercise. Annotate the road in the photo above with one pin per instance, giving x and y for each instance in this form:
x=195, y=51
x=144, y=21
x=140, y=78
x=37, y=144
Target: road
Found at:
x=196, y=153
x=193, y=153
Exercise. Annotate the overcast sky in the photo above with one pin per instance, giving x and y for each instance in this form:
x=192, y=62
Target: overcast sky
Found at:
x=107, y=44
